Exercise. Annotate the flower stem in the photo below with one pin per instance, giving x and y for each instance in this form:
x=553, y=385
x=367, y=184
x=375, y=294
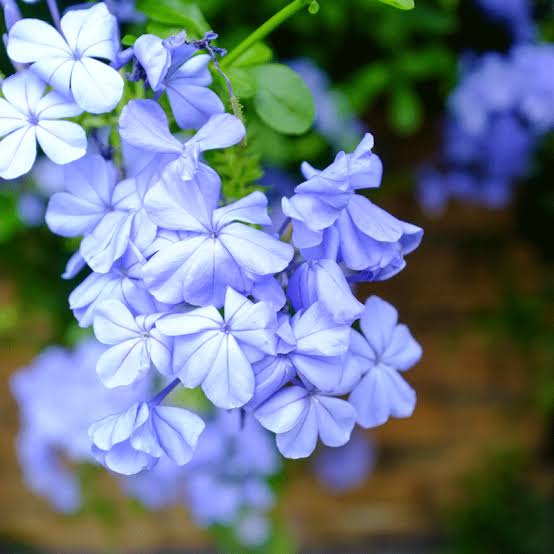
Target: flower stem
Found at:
x=164, y=392
x=264, y=30
x=54, y=12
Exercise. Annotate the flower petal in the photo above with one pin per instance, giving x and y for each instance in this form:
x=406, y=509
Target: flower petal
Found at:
x=96, y=87
x=62, y=141
x=192, y=105
x=18, y=152
x=30, y=40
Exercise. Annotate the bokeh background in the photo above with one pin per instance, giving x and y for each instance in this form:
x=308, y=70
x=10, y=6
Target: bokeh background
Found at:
x=471, y=471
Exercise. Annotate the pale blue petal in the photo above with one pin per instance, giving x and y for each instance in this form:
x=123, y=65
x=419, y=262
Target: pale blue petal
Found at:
x=281, y=412
x=322, y=372
x=114, y=323
x=403, y=351
x=256, y=251
x=250, y=209
x=123, y=364
x=196, y=321
x=378, y=323
x=194, y=356
x=55, y=106
x=154, y=57
x=23, y=91
x=96, y=87
x=230, y=381
x=17, y=153
x=30, y=40
x=317, y=334
x=192, y=105
x=108, y=241
x=62, y=141
x=143, y=124
x=374, y=221
x=335, y=418
x=301, y=440
x=177, y=431
x=220, y=131
x=10, y=118
x=381, y=394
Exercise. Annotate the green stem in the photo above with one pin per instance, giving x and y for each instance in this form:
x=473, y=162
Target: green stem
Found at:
x=261, y=32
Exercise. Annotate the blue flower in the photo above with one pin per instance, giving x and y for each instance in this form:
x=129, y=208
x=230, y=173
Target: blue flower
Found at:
x=184, y=76
x=109, y=214
x=330, y=221
x=390, y=349
x=319, y=201
x=323, y=281
x=67, y=60
x=59, y=395
x=218, y=352
x=135, y=440
x=299, y=416
x=27, y=116
x=311, y=347
x=216, y=250
x=137, y=345
x=144, y=126
x=123, y=282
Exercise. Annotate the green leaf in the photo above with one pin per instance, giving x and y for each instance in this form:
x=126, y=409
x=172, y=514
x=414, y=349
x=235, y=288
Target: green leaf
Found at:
x=128, y=40
x=244, y=83
x=162, y=30
x=400, y=4
x=283, y=101
x=259, y=53
x=176, y=13
x=405, y=110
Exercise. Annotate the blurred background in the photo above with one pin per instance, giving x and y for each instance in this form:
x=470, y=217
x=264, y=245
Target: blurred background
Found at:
x=471, y=471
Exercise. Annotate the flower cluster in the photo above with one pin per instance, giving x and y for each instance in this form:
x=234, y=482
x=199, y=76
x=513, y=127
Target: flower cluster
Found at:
x=500, y=109
x=516, y=15
x=188, y=290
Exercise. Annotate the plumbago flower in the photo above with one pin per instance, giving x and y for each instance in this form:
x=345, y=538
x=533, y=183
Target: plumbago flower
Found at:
x=28, y=116
x=170, y=66
x=189, y=290
x=67, y=60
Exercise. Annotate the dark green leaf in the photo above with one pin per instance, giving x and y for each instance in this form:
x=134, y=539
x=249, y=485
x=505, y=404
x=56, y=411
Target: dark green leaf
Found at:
x=283, y=101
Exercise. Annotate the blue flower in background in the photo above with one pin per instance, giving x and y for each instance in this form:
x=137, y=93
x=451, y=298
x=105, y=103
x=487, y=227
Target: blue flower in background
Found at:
x=59, y=396
x=28, y=116
x=389, y=350
x=135, y=440
x=346, y=467
x=515, y=14
x=68, y=60
x=501, y=108
x=218, y=352
x=184, y=76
